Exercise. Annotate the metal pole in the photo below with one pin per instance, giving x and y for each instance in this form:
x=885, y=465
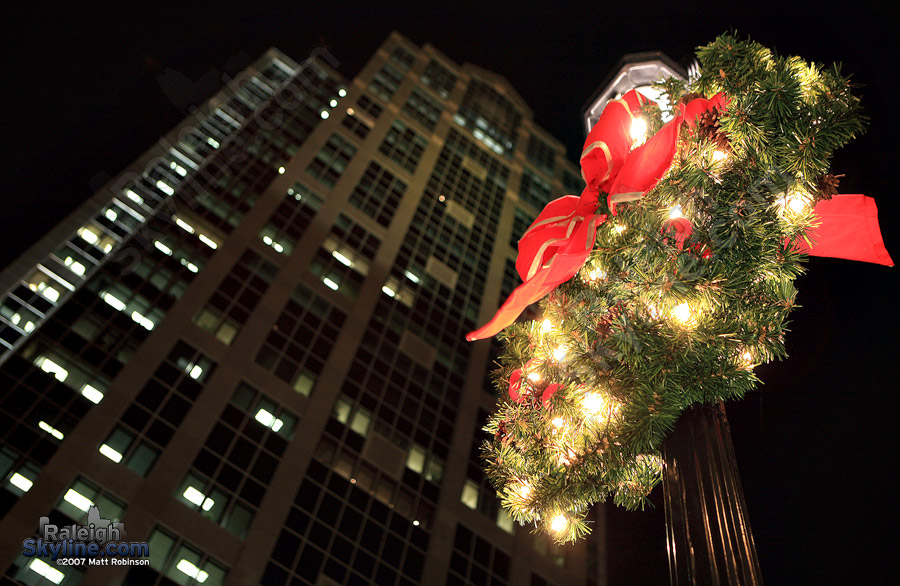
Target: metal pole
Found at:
x=707, y=528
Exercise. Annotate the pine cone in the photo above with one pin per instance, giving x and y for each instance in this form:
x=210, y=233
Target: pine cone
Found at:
x=828, y=185
x=688, y=97
x=708, y=128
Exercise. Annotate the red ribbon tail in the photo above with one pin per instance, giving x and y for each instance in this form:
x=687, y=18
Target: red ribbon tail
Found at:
x=848, y=229
x=521, y=297
x=565, y=264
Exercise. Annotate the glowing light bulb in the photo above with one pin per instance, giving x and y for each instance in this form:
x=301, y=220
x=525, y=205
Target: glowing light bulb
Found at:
x=638, y=130
x=682, y=313
x=719, y=156
x=746, y=359
x=595, y=275
x=524, y=490
x=797, y=203
x=546, y=325
x=559, y=353
x=558, y=422
x=620, y=228
x=594, y=403
x=565, y=459
x=675, y=212
x=534, y=377
x=559, y=523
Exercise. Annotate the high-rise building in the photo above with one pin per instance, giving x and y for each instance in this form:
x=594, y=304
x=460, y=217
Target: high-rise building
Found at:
x=249, y=346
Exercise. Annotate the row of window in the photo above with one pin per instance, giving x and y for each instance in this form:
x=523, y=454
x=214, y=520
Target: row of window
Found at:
x=237, y=296
x=340, y=530
x=21, y=311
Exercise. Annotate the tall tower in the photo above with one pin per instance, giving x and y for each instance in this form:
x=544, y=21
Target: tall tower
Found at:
x=249, y=346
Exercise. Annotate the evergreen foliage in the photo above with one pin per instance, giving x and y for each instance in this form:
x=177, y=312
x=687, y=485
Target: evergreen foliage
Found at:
x=651, y=326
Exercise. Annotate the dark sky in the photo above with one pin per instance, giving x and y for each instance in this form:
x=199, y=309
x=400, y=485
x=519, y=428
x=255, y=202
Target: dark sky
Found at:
x=817, y=444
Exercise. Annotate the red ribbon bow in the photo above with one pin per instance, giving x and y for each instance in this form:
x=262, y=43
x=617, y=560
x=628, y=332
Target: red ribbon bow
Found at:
x=558, y=243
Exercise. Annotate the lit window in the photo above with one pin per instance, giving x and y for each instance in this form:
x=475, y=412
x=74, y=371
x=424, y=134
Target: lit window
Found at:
x=91, y=394
x=146, y=323
x=191, y=570
x=111, y=453
x=415, y=461
x=50, y=367
x=50, y=293
x=330, y=284
x=304, y=384
x=269, y=420
x=198, y=498
x=360, y=423
x=178, y=168
x=51, y=430
x=133, y=196
x=194, y=370
x=434, y=471
x=112, y=300
x=42, y=568
x=165, y=188
x=20, y=482
x=470, y=495
x=162, y=248
x=208, y=241
x=504, y=521
x=342, y=410
x=269, y=241
x=342, y=259
x=89, y=235
x=226, y=332
x=76, y=266
x=184, y=225
x=78, y=500
x=412, y=277
x=111, y=214
x=190, y=266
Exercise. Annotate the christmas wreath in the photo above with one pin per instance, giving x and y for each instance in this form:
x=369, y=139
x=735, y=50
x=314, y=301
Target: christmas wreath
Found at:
x=670, y=277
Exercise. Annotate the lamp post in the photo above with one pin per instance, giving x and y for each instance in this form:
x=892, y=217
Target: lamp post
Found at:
x=707, y=528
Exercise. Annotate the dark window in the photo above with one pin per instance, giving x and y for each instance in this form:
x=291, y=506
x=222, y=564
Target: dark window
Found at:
x=439, y=78
x=385, y=82
x=422, y=108
x=378, y=193
x=330, y=162
x=403, y=146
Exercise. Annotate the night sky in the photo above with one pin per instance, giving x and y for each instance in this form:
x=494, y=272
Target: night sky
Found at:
x=816, y=444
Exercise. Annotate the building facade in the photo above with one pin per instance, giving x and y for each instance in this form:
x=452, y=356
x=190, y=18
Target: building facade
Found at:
x=249, y=346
